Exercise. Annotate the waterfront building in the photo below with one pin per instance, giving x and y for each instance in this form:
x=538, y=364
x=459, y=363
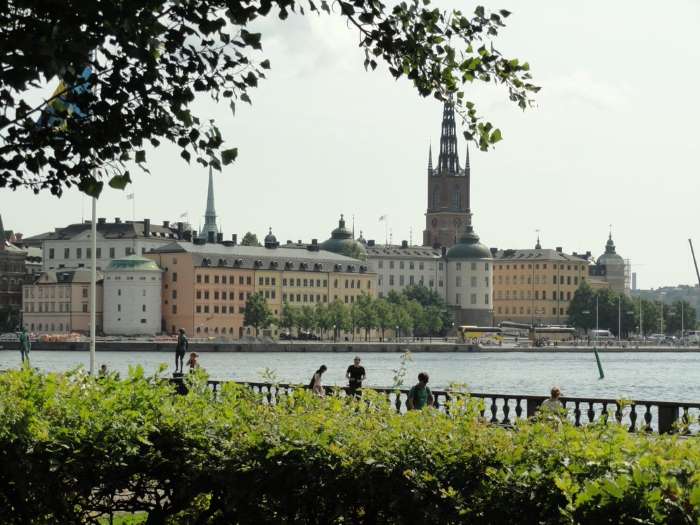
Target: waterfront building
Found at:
x=342, y=242
x=612, y=268
x=59, y=301
x=206, y=285
x=209, y=232
x=132, y=297
x=448, y=187
x=71, y=247
x=535, y=286
x=17, y=268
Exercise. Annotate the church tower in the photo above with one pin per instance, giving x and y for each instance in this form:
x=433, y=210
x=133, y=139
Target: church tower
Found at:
x=209, y=230
x=448, y=209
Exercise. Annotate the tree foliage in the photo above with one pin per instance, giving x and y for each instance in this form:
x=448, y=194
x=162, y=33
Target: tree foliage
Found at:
x=257, y=312
x=148, y=61
x=250, y=239
x=74, y=449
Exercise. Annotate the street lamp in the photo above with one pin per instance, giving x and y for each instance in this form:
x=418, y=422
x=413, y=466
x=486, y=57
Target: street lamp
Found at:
x=334, y=333
x=398, y=336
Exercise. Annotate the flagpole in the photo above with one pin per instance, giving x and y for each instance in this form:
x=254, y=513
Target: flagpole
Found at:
x=93, y=286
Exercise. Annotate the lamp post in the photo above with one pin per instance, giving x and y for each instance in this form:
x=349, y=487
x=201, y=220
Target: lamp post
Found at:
x=398, y=336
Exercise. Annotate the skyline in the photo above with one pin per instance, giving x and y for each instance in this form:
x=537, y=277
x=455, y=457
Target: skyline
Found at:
x=605, y=144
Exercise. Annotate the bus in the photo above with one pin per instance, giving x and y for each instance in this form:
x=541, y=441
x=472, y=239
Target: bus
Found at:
x=543, y=335
x=515, y=330
x=480, y=334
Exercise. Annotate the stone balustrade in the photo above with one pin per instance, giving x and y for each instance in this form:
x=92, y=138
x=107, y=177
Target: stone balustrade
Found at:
x=507, y=409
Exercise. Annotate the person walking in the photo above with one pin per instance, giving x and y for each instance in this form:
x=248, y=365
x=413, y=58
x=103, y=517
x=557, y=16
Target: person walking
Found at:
x=420, y=395
x=355, y=375
x=25, y=345
x=316, y=385
x=180, y=349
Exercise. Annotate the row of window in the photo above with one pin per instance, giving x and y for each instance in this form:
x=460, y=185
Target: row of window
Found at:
x=50, y=291
x=411, y=281
x=569, y=267
x=527, y=294
x=128, y=250
x=143, y=308
x=539, y=279
x=247, y=280
x=522, y=311
x=242, y=296
x=402, y=265
x=472, y=299
x=50, y=307
x=472, y=281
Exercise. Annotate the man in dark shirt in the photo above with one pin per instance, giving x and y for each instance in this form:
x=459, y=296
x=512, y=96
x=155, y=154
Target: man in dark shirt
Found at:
x=355, y=375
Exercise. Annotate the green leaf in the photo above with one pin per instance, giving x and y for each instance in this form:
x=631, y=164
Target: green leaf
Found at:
x=119, y=182
x=140, y=156
x=90, y=186
x=229, y=155
x=265, y=64
x=495, y=136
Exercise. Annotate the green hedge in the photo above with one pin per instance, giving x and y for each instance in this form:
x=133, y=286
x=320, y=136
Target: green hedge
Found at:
x=74, y=450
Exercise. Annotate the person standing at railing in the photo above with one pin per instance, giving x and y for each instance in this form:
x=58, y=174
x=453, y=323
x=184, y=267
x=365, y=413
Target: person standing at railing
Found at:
x=355, y=375
x=420, y=395
x=180, y=349
x=192, y=361
x=316, y=385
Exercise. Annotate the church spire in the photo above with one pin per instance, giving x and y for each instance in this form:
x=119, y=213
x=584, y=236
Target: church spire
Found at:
x=430, y=159
x=210, y=213
x=468, y=175
x=3, y=241
x=448, y=160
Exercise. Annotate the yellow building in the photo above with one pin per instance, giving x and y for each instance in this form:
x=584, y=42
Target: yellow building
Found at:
x=206, y=285
x=535, y=286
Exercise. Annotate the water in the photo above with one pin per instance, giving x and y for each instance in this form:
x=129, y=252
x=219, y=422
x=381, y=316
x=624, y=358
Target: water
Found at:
x=668, y=376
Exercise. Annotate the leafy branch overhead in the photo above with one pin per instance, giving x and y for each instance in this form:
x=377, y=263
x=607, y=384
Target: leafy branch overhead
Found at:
x=128, y=73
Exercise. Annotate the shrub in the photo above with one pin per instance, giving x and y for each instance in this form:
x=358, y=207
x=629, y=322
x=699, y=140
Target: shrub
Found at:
x=74, y=449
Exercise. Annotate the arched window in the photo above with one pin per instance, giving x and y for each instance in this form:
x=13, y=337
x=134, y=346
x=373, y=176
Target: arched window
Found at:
x=436, y=196
x=457, y=199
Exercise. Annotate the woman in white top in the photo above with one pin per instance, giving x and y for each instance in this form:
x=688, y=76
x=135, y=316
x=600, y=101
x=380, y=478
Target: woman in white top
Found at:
x=552, y=405
x=316, y=385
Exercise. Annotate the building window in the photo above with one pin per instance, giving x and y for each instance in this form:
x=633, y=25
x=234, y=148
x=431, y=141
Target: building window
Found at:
x=66, y=253
x=199, y=309
x=51, y=253
x=486, y=282
x=380, y=264
x=85, y=307
x=486, y=298
x=85, y=292
x=458, y=299
x=568, y=296
x=391, y=265
x=249, y=280
x=458, y=281
x=473, y=281
x=410, y=280
x=400, y=280
x=78, y=253
x=216, y=295
x=174, y=294
x=459, y=266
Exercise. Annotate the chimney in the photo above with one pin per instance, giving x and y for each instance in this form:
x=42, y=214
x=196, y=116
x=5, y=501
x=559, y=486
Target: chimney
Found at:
x=117, y=220
x=210, y=237
x=18, y=237
x=102, y=220
x=404, y=244
x=166, y=224
x=559, y=249
x=443, y=251
x=219, y=237
x=234, y=238
x=370, y=242
x=147, y=227
x=299, y=241
x=289, y=241
x=180, y=229
x=187, y=236
x=494, y=251
x=588, y=254
x=314, y=241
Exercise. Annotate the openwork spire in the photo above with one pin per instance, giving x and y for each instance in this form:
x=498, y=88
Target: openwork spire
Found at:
x=468, y=175
x=448, y=161
x=430, y=158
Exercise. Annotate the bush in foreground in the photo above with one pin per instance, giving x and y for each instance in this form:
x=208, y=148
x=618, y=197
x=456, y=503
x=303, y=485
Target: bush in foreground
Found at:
x=74, y=449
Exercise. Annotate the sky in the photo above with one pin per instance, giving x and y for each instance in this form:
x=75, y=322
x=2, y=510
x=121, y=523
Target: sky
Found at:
x=612, y=140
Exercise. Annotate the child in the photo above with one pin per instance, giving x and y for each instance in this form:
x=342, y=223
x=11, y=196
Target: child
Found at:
x=192, y=361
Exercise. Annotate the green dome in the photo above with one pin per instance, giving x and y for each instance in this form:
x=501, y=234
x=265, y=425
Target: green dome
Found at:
x=134, y=263
x=469, y=247
x=610, y=257
x=342, y=242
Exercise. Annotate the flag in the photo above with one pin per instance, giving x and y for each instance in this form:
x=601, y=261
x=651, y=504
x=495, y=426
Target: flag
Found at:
x=129, y=196
x=63, y=104
x=383, y=218
x=183, y=215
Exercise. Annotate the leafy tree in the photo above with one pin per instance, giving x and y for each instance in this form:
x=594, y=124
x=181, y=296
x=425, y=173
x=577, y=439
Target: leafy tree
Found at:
x=651, y=313
x=339, y=315
x=433, y=318
x=418, y=320
x=427, y=298
x=307, y=318
x=324, y=322
x=250, y=239
x=367, y=314
x=581, y=306
x=384, y=315
x=148, y=60
x=257, y=312
x=403, y=319
x=287, y=317
x=676, y=311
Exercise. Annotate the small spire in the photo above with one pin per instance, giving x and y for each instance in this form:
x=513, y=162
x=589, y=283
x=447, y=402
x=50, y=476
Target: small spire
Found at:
x=538, y=246
x=2, y=235
x=269, y=231
x=430, y=157
x=466, y=164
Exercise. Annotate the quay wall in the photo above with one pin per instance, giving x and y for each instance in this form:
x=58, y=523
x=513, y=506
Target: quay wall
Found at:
x=328, y=347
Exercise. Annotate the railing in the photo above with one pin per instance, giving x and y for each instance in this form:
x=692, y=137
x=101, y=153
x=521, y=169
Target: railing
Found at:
x=500, y=409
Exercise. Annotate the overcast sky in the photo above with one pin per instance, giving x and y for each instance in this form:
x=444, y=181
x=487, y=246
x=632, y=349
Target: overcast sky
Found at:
x=613, y=139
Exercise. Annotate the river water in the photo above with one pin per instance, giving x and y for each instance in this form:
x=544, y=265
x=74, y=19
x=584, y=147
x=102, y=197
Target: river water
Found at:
x=668, y=376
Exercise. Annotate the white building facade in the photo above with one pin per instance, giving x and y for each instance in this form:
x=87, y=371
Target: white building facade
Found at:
x=71, y=247
x=132, y=297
